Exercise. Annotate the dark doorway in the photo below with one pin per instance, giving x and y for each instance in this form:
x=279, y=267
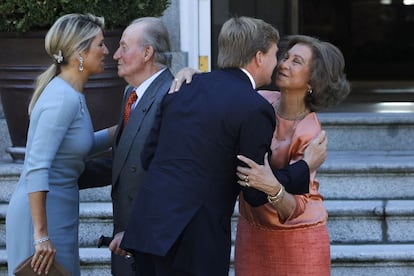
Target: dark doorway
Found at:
x=375, y=36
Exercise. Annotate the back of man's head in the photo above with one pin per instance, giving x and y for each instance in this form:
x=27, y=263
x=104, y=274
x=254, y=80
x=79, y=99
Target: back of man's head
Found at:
x=241, y=38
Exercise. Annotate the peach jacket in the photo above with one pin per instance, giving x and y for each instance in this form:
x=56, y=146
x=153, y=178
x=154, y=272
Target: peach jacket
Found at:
x=288, y=144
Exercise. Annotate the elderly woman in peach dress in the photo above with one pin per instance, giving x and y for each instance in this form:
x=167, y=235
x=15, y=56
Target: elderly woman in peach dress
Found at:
x=289, y=236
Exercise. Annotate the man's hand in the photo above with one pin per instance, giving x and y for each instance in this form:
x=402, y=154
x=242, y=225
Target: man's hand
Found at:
x=114, y=246
x=315, y=154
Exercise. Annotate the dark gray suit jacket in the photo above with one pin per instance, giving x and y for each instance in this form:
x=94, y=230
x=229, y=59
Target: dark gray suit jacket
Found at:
x=127, y=173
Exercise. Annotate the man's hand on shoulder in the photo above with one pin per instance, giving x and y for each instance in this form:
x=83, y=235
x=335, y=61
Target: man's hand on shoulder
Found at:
x=316, y=152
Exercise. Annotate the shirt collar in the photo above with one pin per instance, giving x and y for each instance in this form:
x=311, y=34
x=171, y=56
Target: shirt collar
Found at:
x=250, y=77
x=140, y=90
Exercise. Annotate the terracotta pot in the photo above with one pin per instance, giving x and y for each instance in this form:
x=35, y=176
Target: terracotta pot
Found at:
x=23, y=58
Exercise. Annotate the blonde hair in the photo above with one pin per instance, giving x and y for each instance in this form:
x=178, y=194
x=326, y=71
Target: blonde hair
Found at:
x=70, y=35
x=241, y=38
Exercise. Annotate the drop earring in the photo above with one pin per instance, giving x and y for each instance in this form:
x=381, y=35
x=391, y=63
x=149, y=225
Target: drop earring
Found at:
x=80, y=64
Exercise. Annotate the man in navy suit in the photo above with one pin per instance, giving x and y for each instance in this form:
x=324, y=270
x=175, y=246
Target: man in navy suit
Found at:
x=180, y=222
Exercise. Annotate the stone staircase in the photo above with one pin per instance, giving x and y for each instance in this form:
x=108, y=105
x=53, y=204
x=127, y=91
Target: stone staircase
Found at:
x=367, y=181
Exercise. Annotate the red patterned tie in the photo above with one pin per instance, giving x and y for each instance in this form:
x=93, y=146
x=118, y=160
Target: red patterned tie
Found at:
x=131, y=100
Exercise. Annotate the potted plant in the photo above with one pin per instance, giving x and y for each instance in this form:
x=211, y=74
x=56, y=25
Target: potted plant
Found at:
x=23, y=26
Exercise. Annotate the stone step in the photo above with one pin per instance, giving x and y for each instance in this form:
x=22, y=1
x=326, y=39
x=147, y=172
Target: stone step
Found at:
x=102, y=194
x=368, y=259
x=369, y=131
x=370, y=221
x=9, y=175
x=363, y=174
x=356, y=260
x=4, y=137
x=95, y=220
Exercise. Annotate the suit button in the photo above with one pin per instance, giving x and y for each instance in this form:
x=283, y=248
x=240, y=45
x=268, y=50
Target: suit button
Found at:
x=133, y=168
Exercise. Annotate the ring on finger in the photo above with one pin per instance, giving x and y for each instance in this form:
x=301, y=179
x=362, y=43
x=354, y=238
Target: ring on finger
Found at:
x=247, y=184
x=246, y=178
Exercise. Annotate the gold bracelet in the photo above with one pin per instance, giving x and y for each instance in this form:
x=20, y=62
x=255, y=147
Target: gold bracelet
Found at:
x=278, y=197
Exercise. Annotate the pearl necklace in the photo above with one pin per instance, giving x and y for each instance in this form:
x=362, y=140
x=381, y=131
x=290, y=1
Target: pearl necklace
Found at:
x=289, y=133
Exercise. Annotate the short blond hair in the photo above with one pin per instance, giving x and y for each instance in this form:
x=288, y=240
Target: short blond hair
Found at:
x=241, y=38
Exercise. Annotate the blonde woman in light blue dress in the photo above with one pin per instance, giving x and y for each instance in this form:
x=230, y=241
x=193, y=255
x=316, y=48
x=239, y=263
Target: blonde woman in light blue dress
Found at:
x=43, y=214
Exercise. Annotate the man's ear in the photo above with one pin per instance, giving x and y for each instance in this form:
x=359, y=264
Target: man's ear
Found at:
x=149, y=52
x=258, y=58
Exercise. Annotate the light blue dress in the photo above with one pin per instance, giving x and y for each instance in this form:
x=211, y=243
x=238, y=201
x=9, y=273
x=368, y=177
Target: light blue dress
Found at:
x=60, y=136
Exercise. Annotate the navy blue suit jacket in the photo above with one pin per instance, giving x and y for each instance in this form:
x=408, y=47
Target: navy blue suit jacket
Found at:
x=188, y=194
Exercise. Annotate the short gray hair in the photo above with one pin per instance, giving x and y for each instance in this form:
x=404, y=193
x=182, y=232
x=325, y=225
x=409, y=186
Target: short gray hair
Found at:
x=156, y=35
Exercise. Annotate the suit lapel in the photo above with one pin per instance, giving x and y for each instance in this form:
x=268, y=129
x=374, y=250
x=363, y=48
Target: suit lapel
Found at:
x=136, y=119
x=127, y=92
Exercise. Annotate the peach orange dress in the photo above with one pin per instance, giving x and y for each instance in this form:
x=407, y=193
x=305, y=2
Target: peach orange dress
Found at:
x=265, y=245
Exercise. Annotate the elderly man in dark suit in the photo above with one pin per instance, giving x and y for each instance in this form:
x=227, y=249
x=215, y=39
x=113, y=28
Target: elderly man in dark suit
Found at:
x=180, y=222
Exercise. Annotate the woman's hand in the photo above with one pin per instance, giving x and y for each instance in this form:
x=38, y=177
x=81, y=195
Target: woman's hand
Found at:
x=185, y=74
x=261, y=177
x=44, y=255
x=45, y=252
x=257, y=176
